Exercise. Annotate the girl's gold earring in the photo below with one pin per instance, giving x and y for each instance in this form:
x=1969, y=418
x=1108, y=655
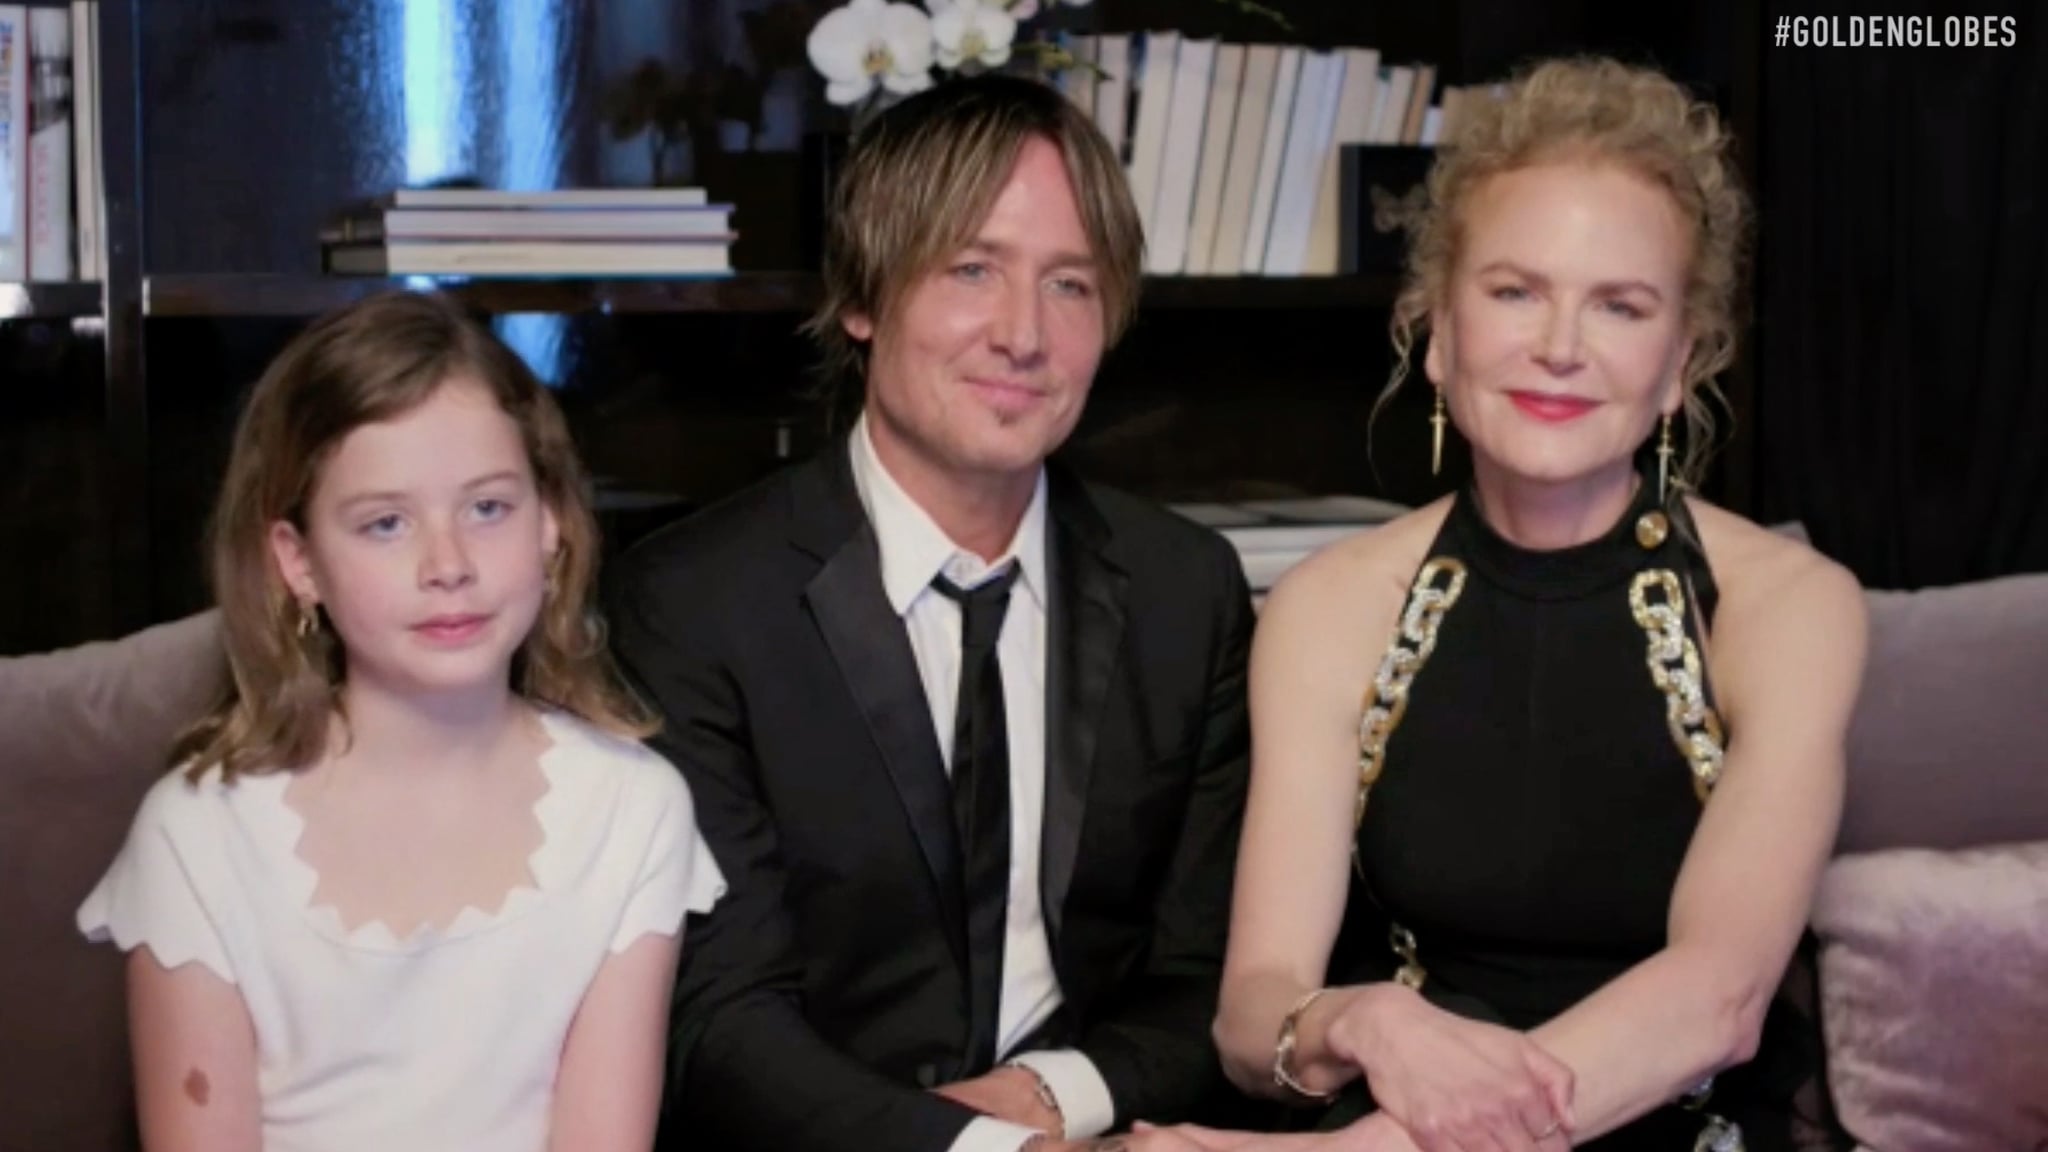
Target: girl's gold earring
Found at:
x=309, y=618
x=1437, y=420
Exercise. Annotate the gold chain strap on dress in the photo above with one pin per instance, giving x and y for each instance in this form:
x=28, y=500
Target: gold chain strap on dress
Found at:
x=1718, y=1134
x=1675, y=669
x=1413, y=641
x=1435, y=590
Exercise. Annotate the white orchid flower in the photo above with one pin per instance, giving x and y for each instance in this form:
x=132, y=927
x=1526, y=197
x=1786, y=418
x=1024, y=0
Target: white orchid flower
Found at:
x=870, y=42
x=973, y=30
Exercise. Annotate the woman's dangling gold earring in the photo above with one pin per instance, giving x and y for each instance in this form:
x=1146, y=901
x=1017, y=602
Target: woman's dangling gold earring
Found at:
x=1664, y=460
x=309, y=619
x=1437, y=420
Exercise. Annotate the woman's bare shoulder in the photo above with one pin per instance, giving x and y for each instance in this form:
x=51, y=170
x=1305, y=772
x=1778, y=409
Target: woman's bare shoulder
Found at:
x=1756, y=566
x=1780, y=600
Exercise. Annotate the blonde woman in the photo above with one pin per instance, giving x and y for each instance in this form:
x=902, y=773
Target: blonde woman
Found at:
x=1544, y=773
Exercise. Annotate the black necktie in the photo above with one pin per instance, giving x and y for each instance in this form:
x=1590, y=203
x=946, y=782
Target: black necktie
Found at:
x=981, y=803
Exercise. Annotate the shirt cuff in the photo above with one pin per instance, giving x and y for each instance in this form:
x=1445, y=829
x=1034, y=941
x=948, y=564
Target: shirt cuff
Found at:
x=1082, y=1092
x=987, y=1134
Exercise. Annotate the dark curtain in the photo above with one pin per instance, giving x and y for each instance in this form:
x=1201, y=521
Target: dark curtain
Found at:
x=1902, y=398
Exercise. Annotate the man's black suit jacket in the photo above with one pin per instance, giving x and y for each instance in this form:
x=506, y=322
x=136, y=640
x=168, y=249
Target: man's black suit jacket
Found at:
x=827, y=990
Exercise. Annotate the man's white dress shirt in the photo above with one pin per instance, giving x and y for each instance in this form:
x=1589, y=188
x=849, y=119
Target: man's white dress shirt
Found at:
x=914, y=550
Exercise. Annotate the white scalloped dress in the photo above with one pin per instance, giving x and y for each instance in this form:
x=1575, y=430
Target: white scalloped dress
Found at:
x=447, y=1040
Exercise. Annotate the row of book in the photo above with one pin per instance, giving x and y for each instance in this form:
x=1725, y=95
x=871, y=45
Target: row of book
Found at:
x=1233, y=150
x=456, y=231
x=52, y=193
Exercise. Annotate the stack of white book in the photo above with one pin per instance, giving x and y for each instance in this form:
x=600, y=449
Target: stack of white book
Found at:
x=1233, y=150
x=1272, y=536
x=568, y=232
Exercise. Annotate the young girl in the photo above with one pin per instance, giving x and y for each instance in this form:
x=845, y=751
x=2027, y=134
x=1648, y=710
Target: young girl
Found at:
x=390, y=902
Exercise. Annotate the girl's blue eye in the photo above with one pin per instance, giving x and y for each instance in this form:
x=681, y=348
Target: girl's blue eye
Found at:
x=383, y=526
x=491, y=508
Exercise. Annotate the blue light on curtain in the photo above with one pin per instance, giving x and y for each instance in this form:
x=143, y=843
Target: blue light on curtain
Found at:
x=440, y=110
x=474, y=70
x=531, y=41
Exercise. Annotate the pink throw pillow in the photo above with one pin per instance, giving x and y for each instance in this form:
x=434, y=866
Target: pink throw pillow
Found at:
x=1934, y=997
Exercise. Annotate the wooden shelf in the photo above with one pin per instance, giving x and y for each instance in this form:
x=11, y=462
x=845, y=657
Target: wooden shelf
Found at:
x=313, y=295
x=49, y=301
x=791, y=292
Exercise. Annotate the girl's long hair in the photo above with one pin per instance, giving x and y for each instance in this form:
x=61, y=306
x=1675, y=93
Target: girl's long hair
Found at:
x=373, y=361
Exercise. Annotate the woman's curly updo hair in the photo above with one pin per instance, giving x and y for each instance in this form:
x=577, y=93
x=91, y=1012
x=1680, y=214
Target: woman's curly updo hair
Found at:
x=1601, y=111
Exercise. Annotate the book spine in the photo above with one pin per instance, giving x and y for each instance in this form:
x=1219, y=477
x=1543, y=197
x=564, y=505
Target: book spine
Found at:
x=13, y=142
x=49, y=149
x=88, y=204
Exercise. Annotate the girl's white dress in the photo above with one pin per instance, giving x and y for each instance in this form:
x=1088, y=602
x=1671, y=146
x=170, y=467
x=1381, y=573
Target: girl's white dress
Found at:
x=446, y=1040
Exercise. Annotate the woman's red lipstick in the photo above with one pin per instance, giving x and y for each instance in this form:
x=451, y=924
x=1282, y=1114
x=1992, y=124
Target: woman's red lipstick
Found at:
x=1552, y=408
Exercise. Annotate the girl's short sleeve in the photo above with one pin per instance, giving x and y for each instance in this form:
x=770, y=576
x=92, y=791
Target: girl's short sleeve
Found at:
x=157, y=890
x=677, y=875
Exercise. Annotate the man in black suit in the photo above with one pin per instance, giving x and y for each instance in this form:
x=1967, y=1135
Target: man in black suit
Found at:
x=967, y=735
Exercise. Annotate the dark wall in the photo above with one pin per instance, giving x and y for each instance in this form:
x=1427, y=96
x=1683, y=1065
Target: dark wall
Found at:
x=55, y=545
x=1904, y=399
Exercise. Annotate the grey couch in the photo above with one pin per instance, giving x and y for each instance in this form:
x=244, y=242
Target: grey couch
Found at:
x=1948, y=774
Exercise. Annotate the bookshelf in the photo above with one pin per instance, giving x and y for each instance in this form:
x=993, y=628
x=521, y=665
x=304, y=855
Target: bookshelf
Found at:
x=71, y=300
x=73, y=424
x=211, y=247
x=199, y=296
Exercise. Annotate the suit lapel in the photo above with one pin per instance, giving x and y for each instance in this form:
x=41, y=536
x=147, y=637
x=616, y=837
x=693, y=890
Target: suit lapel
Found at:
x=1084, y=634
x=868, y=642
